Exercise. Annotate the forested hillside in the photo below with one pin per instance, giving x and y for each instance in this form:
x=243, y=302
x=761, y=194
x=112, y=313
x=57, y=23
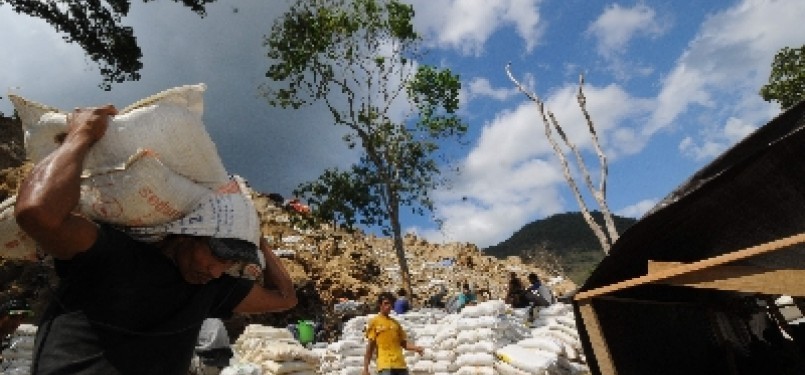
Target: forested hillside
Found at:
x=565, y=238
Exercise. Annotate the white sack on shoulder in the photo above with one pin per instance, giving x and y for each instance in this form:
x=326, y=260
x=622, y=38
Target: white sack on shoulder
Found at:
x=169, y=123
x=228, y=213
x=140, y=192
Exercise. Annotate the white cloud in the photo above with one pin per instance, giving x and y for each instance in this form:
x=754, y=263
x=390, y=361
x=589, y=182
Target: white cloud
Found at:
x=615, y=28
x=480, y=87
x=512, y=176
x=712, y=145
x=466, y=25
x=614, y=113
x=638, y=209
x=726, y=64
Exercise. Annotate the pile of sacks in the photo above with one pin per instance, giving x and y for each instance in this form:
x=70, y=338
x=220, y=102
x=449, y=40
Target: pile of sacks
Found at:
x=18, y=355
x=485, y=339
x=262, y=350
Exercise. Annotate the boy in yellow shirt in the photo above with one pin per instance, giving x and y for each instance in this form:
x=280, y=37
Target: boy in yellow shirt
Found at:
x=387, y=337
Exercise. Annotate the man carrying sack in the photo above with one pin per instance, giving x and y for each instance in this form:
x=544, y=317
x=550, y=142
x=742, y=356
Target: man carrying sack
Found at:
x=123, y=305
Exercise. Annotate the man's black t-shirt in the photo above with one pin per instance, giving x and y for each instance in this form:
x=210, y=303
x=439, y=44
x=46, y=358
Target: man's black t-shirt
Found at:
x=122, y=307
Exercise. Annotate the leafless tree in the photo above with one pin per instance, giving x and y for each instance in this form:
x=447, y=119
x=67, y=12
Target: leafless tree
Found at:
x=599, y=193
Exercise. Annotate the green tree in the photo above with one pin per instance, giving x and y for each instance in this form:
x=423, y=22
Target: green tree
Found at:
x=787, y=79
x=358, y=58
x=95, y=26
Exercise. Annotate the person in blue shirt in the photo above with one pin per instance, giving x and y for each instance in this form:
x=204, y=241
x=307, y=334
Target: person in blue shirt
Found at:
x=466, y=297
x=401, y=305
x=538, y=294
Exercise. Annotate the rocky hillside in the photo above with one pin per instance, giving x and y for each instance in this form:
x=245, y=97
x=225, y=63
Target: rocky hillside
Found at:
x=325, y=263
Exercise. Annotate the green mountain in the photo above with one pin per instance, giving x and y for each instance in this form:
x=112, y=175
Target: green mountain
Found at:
x=561, y=241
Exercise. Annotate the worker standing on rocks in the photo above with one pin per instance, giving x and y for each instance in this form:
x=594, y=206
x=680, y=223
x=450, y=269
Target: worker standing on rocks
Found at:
x=124, y=306
x=386, y=336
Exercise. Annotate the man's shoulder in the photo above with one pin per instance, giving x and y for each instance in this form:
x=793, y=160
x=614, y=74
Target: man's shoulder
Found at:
x=380, y=318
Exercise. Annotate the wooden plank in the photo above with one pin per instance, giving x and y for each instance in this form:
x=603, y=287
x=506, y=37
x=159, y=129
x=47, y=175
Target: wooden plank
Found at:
x=602, y=356
x=655, y=266
x=695, y=266
x=744, y=279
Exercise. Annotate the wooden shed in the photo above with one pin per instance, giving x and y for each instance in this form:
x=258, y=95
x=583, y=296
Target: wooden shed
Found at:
x=689, y=288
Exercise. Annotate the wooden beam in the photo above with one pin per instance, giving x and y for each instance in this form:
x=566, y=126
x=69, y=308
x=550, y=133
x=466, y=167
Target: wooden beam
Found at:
x=602, y=356
x=695, y=266
x=748, y=279
x=655, y=266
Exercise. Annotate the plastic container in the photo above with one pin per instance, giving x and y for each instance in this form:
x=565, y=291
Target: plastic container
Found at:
x=306, y=332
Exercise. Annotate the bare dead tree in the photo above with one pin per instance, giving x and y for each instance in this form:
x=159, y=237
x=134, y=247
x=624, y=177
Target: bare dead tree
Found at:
x=598, y=193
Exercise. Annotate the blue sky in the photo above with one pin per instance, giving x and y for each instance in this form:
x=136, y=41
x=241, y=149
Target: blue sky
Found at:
x=669, y=85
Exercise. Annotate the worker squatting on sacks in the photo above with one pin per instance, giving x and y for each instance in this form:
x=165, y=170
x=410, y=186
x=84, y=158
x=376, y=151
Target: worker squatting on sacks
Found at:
x=387, y=336
x=124, y=306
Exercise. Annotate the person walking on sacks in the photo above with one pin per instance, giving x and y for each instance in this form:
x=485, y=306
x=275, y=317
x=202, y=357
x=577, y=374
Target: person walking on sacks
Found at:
x=388, y=339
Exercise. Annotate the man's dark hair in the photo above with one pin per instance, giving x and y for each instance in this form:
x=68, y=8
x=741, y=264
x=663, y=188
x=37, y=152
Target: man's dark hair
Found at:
x=385, y=296
x=401, y=292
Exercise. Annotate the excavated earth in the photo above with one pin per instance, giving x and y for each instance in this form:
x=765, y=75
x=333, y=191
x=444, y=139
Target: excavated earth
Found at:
x=327, y=264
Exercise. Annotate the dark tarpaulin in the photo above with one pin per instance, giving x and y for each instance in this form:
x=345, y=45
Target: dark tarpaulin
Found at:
x=752, y=194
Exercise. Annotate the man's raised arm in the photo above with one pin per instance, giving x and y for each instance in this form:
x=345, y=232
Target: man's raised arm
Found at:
x=48, y=195
x=277, y=292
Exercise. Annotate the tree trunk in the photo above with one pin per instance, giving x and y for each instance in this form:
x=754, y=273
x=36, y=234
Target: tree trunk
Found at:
x=399, y=248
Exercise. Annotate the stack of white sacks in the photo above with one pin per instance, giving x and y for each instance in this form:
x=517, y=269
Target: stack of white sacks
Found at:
x=262, y=350
x=486, y=339
x=19, y=354
x=345, y=357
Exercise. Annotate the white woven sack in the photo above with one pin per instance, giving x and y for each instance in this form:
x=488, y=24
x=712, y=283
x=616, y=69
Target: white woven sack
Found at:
x=422, y=366
x=345, y=345
x=475, y=359
x=445, y=355
x=14, y=242
x=228, y=213
x=168, y=123
x=354, y=370
x=140, y=192
x=265, y=332
x=507, y=369
x=528, y=360
x=285, y=367
x=475, y=335
x=476, y=370
x=444, y=366
x=543, y=343
x=242, y=369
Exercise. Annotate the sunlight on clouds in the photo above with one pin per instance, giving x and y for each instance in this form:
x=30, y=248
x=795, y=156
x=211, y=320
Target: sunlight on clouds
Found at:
x=465, y=25
x=614, y=113
x=511, y=137
x=512, y=176
x=617, y=26
x=684, y=86
x=737, y=129
x=706, y=149
x=638, y=209
x=480, y=87
x=497, y=203
x=614, y=30
x=729, y=58
x=713, y=145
